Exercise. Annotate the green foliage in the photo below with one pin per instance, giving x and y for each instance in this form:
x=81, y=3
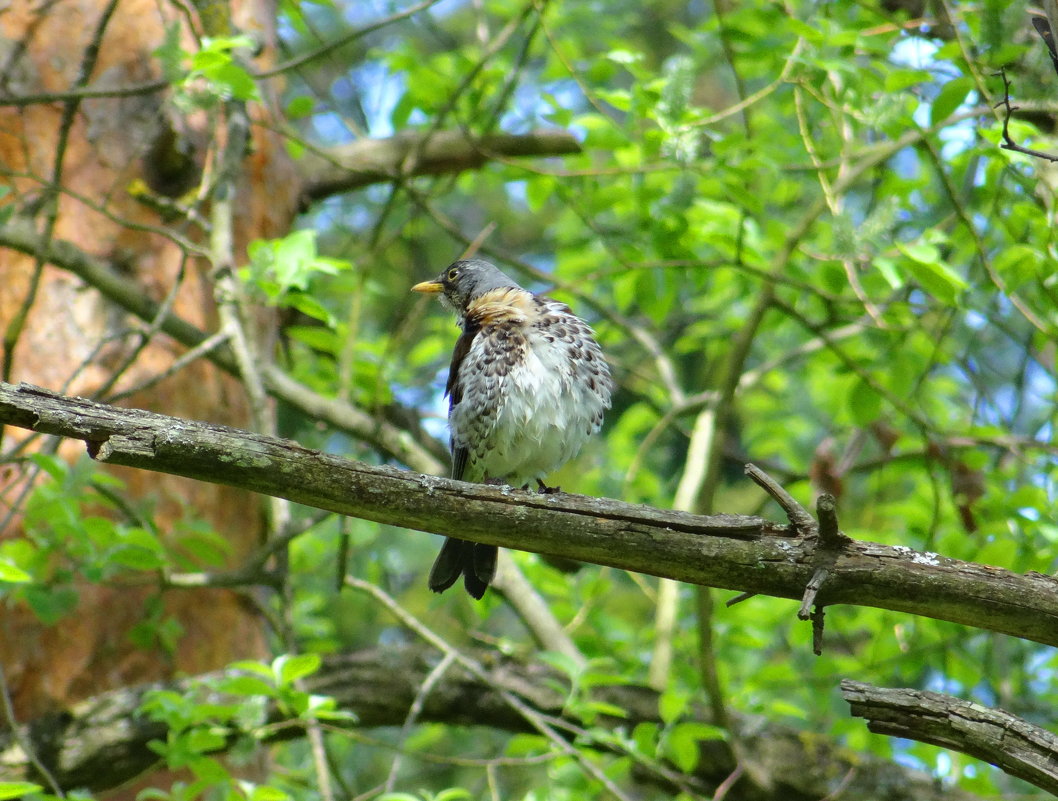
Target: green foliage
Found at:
x=281, y=270
x=18, y=789
x=210, y=74
x=77, y=530
x=212, y=713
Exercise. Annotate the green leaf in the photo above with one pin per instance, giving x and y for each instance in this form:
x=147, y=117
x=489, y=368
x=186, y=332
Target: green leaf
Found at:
x=315, y=336
x=932, y=274
x=453, y=794
x=264, y=792
x=250, y=666
x=301, y=106
x=135, y=557
x=287, y=668
x=672, y=704
x=864, y=404
x=887, y=268
x=618, y=98
x=1018, y=265
x=52, y=465
x=50, y=604
x=171, y=54
x=804, y=30
x=899, y=80
x=204, y=741
x=562, y=663
x=310, y=307
x=246, y=685
x=950, y=97
x=13, y=574
x=18, y=789
x=681, y=743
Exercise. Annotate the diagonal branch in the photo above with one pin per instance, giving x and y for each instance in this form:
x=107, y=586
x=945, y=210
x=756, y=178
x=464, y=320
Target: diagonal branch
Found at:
x=1008, y=742
x=729, y=551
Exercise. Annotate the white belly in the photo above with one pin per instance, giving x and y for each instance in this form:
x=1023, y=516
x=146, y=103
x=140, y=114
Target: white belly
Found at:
x=537, y=420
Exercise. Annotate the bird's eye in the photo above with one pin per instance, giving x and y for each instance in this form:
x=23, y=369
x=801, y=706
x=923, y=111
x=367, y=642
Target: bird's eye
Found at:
x=453, y=274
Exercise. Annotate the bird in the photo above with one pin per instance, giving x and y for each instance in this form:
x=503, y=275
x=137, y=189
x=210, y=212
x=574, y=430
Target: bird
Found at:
x=528, y=384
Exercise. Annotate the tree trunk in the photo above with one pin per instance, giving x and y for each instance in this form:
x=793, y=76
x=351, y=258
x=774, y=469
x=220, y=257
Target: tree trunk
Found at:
x=116, y=160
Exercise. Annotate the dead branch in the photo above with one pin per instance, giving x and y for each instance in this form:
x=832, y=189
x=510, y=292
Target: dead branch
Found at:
x=737, y=552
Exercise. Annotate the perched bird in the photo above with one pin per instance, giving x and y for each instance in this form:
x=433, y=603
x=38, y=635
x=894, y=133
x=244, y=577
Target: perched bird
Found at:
x=527, y=386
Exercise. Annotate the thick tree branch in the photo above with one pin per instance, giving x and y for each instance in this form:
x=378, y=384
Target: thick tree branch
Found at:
x=371, y=161
x=1008, y=742
x=728, y=551
x=102, y=741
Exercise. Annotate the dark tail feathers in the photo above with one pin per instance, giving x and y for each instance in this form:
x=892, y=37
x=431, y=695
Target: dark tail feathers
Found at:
x=475, y=562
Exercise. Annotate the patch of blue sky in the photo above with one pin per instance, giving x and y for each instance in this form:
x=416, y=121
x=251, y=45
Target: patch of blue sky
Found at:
x=918, y=53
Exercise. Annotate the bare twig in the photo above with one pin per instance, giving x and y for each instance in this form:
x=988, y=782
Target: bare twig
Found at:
x=811, y=589
x=1008, y=142
x=800, y=519
x=23, y=742
x=826, y=511
x=414, y=711
x=14, y=328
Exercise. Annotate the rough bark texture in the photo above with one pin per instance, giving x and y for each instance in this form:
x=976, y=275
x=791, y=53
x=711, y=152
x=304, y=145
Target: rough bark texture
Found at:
x=102, y=741
x=1008, y=742
x=728, y=551
x=80, y=175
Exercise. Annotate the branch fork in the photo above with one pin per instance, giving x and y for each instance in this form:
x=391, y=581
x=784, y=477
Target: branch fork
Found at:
x=824, y=539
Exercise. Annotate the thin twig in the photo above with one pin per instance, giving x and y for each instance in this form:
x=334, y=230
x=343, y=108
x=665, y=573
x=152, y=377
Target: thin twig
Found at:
x=1008, y=142
x=531, y=716
x=414, y=711
x=725, y=786
x=19, y=733
x=811, y=590
x=799, y=518
x=826, y=511
x=817, y=631
x=51, y=202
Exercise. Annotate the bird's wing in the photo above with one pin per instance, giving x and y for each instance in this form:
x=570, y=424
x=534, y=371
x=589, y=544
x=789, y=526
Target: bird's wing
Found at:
x=454, y=387
x=454, y=391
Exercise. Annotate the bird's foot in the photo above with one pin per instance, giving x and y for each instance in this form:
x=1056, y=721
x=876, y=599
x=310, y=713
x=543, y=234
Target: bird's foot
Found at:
x=543, y=489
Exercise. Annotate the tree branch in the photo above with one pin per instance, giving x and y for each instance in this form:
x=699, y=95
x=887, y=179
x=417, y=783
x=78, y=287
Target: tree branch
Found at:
x=102, y=742
x=371, y=161
x=1010, y=743
x=728, y=551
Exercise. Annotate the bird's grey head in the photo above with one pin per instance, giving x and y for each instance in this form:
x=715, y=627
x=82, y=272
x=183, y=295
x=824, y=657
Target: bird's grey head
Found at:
x=464, y=280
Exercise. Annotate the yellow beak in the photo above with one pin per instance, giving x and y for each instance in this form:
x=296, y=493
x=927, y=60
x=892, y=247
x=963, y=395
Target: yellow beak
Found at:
x=429, y=287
